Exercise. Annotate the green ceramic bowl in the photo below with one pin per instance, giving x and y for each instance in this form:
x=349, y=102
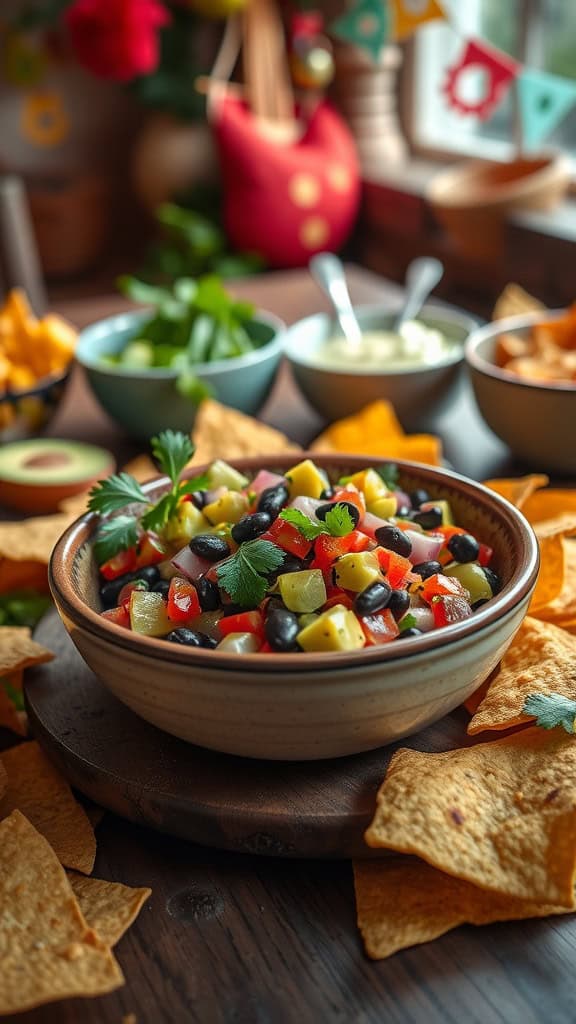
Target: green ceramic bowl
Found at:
x=144, y=402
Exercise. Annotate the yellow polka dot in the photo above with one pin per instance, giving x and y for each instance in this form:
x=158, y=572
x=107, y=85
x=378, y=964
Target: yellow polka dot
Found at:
x=304, y=190
x=339, y=177
x=314, y=232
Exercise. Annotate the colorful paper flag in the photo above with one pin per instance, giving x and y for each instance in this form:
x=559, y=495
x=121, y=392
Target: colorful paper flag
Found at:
x=409, y=15
x=500, y=71
x=365, y=25
x=544, y=100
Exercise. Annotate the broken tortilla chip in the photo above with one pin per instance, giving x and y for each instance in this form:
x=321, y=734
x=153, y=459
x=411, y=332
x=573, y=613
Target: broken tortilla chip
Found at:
x=109, y=907
x=515, y=301
x=540, y=659
x=551, y=573
x=47, y=950
x=220, y=432
x=37, y=789
x=549, y=504
x=562, y=610
x=375, y=430
x=517, y=490
x=18, y=650
x=402, y=902
x=32, y=540
x=501, y=815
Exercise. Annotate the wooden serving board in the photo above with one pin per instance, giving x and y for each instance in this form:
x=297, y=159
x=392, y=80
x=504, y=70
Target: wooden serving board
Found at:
x=283, y=809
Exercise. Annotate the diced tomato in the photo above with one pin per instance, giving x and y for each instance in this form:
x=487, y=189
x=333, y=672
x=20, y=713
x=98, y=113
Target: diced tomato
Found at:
x=485, y=554
x=351, y=494
x=287, y=537
x=244, y=622
x=150, y=551
x=395, y=567
x=183, y=600
x=336, y=596
x=266, y=649
x=379, y=628
x=124, y=595
x=327, y=548
x=118, y=615
x=123, y=562
x=449, y=609
x=439, y=585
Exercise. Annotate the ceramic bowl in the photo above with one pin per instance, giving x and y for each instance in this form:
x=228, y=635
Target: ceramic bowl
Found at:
x=418, y=394
x=144, y=402
x=24, y=414
x=306, y=706
x=536, y=421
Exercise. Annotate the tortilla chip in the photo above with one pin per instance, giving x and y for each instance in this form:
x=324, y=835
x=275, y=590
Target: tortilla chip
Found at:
x=11, y=717
x=562, y=610
x=47, y=950
x=23, y=576
x=540, y=659
x=109, y=907
x=500, y=815
x=551, y=574
x=37, y=789
x=514, y=301
x=549, y=504
x=18, y=650
x=32, y=540
x=517, y=490
x=223, y=433
x=475, y=699
x=375, y=430
x=402, y=902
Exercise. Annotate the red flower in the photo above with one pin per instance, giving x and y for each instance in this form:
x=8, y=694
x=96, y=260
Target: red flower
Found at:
x=116, y=39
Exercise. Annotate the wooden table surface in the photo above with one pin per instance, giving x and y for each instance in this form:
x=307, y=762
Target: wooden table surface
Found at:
x=231, y=939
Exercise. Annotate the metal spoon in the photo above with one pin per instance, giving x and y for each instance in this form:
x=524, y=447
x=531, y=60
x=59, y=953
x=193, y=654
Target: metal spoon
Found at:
x=328, y=272
x=421, y=277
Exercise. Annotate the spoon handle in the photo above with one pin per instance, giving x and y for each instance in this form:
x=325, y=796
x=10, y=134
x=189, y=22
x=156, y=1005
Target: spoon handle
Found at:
x=328, y=272
x=421, y=277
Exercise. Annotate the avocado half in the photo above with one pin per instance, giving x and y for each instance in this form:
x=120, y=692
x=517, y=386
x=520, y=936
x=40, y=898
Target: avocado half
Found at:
x=36, y=475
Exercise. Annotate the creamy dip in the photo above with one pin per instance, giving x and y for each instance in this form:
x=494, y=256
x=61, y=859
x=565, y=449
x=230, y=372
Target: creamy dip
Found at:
x=414, y=345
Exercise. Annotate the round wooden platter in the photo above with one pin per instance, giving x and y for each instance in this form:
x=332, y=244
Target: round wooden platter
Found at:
x=296, y=809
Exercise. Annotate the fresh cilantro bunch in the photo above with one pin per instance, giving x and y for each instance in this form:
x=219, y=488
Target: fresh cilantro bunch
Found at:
x=172, y=451
x=551, y=710
x=338, y=522
x=243, y=575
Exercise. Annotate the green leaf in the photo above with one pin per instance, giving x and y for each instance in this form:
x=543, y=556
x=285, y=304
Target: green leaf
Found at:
x=306, y=526
x=140, y=291
x=551, y=710
x=196, y=483
x=158, y=515
x=339, y=521
x=242, y=575
x=23, y=607
x=407, y=622
x=115, y=493
x=115, y=535
x=389, y=474
x=173, y=451
x=192, y=388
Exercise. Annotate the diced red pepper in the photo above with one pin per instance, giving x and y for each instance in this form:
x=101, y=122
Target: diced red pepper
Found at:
x=336, y=596
x=151, y=550
x=395, y=567
x=183, y=600
x=244, y=622
x=124, y=595
x=328, y=548
x=450, y=609
x=287, y=537
x=118, y=615
x=266, y=649
x=379, y=628
x=118, y=565
x=439, y=585
x=485, y=554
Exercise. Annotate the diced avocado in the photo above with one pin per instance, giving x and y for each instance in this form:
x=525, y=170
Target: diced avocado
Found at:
x=240, y=643
x=447, y=518
x=138, y=355
x=337, y=629
x=186, y=522
x=371, y=485
x=357, y=571
x=472, y=576
x=306, y=479
x=302, y=591
x=148, y=614
x=229, y=508
x=221, y=474
x=383, y=507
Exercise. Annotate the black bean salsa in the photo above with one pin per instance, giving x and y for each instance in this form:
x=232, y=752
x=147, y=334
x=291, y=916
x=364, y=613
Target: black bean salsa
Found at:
x=294, y=563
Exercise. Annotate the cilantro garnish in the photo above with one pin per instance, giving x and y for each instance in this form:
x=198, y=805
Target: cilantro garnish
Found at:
x=243, y=575
x=407, y=622
x=338, y=522
x=551, y=710
x=117, y=534
x=115, y=493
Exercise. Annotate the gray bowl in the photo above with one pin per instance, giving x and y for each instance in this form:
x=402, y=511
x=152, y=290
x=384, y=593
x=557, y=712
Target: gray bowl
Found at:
x=146, y=401
x=418, y=394
x=536, y=421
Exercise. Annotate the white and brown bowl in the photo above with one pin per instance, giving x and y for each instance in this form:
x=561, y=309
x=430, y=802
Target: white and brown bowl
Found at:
x=306, y=706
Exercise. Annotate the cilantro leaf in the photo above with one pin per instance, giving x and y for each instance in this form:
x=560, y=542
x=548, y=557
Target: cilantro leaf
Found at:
x=306, y=526
x=196, y=483
x=173, y=451
x=115, y=493
x=407, y=622
x=114, y=535
x=158, y=515
x=339, y=521
x=551, y=710
x=241, y=575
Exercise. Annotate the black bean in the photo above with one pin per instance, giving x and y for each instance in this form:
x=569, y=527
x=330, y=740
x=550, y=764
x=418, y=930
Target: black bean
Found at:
x=327, y=493
x=232, y=609
x=418, y=497
x=199, y=499
x=110, y=590
x=399, y=602
x=403, y=512
x=426, y=569
x=412, y=631
x=394, y=539
x=191, y=638
x=494, y=581
x=281, y=629
x=478, y=604
x=209, y=546
x=463, y=547
x=272, y=499
x=322, y=510
x=250, y=527
x=372, y=599
x=428, y=518
x=208, y=595
x=161, y=587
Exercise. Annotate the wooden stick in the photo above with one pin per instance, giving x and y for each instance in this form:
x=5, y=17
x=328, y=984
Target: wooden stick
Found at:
x=266, y=74
x=18, y=251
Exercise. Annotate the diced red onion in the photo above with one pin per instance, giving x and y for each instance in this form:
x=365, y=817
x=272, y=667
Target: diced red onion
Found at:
x=264, y=479
x=191, y=565
x=424, y=617
x=215, y=493
x=402, y=499
x=369, y=523
x=306, y=505
x=425, y=546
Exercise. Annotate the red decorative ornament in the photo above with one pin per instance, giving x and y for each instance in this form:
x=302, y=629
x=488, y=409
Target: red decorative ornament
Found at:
x=116, y=39
x=500, y=69
x=286, y=200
